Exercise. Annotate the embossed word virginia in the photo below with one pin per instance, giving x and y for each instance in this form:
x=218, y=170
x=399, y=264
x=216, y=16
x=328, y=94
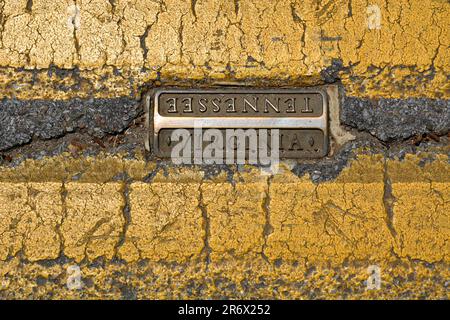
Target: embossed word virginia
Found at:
x=212, y=146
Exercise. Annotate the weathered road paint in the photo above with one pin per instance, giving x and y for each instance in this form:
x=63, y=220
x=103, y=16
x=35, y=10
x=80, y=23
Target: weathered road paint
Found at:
x=62, y=211
x=59, y=49
x=134, y=228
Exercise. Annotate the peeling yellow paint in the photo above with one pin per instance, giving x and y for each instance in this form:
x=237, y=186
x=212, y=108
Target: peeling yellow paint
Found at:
x=119, y=47
x=236, y=218
x=330, y=222
x=244, y=280
x=255, y=235
x=166, y=222
x=138, y=229
x=93, y=220
x=421, y=220
x=30, y=216
x=421, y=207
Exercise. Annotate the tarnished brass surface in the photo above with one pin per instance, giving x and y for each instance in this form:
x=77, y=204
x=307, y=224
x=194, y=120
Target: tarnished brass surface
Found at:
x=300, y=114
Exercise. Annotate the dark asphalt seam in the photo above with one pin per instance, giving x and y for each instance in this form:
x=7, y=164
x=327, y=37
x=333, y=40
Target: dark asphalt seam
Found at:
x=21, y=122
x=34, y=129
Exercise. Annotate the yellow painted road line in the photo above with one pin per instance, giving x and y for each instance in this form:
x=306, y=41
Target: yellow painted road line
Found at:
x=284, y=217
x=388, y=49
x=267, y=230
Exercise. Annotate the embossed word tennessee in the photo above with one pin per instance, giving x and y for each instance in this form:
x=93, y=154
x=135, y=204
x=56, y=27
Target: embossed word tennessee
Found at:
x=208, y=146
x=238, y=105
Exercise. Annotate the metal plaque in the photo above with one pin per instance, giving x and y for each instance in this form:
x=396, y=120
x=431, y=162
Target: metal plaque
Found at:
x=301, y=115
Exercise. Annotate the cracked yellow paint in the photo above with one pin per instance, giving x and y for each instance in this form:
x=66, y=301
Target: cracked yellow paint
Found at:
x=30, y=215
x=333, y=221
x=256, y=236
x=421, y=203
x=422, y=215
x=93, y=220
x=138, y=229
x=330, y=222
x=166, y=222
x=237, y=218
x=64, y=49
